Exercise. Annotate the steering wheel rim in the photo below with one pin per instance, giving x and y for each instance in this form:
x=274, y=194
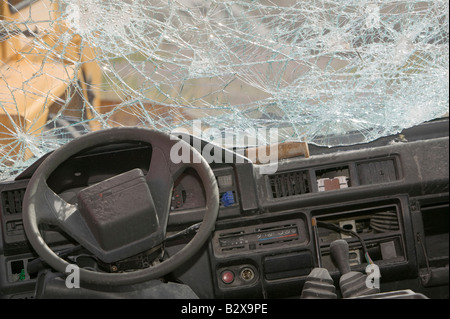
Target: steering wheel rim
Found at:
x=38, y=195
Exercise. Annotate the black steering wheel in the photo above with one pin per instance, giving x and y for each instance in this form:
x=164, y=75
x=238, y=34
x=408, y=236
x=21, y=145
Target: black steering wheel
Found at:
x=42, y=206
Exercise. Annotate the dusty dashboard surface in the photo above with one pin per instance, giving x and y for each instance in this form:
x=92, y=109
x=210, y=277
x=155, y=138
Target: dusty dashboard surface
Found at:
x=364, y=85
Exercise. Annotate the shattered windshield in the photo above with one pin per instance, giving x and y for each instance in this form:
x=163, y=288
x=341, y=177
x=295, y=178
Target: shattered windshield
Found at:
x=316, y=71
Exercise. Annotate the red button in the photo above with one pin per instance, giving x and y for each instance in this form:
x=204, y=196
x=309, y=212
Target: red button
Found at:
x=227, y=277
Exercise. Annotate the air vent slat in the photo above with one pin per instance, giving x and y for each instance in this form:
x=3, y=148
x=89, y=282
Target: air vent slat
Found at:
x=289, y=184
x=12, y=201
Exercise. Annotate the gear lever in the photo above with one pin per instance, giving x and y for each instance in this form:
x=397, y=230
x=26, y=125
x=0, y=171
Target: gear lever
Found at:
x=352, y=283
x=319, y=284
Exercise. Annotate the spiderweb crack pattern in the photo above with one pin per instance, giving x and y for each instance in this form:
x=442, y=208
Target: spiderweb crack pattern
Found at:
x=315, y=70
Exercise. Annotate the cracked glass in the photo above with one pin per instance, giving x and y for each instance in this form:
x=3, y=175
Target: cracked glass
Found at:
x=324, y=72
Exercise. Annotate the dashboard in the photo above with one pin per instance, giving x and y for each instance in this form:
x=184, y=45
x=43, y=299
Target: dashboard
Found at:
x=393, y=193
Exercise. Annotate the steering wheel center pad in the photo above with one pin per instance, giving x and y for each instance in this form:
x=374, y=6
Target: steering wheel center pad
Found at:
x=121, y=215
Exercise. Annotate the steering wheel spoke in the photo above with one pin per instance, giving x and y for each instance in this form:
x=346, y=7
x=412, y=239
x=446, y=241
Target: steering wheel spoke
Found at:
x=59, y=211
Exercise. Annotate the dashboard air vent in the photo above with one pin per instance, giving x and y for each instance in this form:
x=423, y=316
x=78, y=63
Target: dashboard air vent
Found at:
x=289, y=184
x=12, y=201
